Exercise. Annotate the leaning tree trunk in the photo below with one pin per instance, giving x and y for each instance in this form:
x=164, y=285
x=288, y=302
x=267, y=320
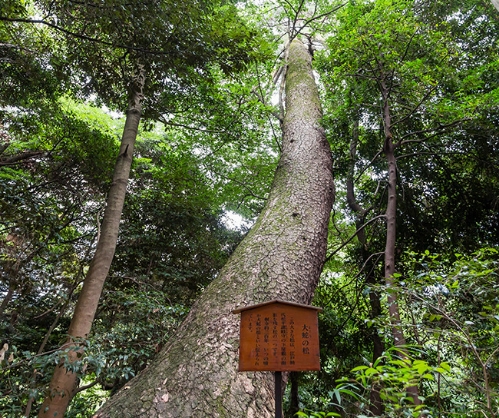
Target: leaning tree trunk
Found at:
x=196, y=373
x=64, y=382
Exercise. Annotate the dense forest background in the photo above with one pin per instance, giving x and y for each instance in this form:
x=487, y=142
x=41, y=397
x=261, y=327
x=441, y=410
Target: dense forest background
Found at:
x=410, y=101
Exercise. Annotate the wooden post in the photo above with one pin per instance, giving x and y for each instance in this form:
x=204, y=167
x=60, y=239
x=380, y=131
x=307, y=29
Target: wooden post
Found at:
x=279, y=336
x=278, y=394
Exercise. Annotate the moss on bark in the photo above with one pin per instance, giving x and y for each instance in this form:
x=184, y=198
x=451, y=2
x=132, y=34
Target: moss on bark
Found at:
x=196, y=373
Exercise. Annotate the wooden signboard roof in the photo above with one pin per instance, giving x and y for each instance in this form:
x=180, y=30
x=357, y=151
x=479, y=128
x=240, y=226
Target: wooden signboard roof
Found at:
x=279, y=336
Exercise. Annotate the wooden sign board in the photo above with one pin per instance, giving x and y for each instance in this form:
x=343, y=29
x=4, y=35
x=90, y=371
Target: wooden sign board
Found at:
x=279, y=336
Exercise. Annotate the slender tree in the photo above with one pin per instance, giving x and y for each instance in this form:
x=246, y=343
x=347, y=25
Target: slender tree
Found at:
x=146, y=65
x=380, y=63
x=376, y=406
x=64, y=380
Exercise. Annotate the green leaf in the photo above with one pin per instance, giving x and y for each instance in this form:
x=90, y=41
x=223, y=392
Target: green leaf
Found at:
x=358, y=368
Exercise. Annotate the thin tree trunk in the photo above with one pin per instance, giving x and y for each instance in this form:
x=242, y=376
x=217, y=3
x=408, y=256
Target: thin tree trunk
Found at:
x=375, y=402
x=294, y=401
x=64, y=382
x=196, y=374
x=391, y=215
x=391, y=235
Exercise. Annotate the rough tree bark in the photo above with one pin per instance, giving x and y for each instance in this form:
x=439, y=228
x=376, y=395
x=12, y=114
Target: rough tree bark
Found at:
x=64, y=382
x=282, y=257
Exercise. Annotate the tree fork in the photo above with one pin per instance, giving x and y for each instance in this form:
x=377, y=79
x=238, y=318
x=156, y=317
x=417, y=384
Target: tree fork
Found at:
x=196, y=374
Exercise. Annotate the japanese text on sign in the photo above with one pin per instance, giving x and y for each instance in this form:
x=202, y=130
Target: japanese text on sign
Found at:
x=279, y=337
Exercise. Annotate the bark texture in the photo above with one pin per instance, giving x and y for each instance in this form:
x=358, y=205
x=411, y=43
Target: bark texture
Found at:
x=196, y=373
x=64, y=382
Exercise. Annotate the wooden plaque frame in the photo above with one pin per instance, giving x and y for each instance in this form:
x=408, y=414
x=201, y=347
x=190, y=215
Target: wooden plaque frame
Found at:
x=279, y=336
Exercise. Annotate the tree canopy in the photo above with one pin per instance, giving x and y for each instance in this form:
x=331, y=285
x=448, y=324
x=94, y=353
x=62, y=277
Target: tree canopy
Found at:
x=409, y=92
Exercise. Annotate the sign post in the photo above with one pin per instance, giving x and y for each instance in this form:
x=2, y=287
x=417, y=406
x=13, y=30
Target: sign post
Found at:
x=278, y=394
x=279, y=336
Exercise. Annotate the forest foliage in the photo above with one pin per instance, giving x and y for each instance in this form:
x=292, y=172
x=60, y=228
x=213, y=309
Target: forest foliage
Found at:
x=207, y=150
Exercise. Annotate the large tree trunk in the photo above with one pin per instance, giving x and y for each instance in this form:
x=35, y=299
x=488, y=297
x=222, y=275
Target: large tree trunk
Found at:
x=196, y=373
x=64, y=382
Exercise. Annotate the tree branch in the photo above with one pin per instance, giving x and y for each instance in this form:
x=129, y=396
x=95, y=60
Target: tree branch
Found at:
x=423, y=99
x=20, y=157
x=423, y=131
x=370, y=221
x=81, y=36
